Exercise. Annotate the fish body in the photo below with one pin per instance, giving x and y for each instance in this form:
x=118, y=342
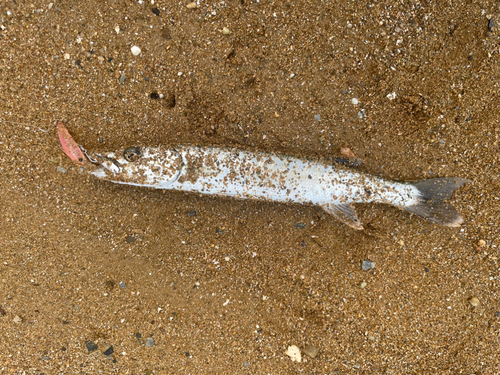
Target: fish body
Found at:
x=272, y=177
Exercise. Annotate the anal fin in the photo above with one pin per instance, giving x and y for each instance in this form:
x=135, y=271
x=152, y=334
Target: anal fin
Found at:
x=344, y=212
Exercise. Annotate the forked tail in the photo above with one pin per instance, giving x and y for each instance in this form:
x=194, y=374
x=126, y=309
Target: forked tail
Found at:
x=432, y=205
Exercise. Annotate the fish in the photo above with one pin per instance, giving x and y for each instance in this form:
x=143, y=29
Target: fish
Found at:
x=242, y=174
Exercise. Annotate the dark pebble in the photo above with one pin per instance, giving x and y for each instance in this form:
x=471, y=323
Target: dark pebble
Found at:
x=122, y=78
x=109, y=351
x=497, y=314
x=138, y=335
x=63, y=348
x=91, y=346
x=78, y=62
x=219, y=231
x=491, y=24
x=156, y=11
x=130, y=239
x=154, y=95
x=300, y=225
x=187, y=354
x=192, y=213
x=2, y=311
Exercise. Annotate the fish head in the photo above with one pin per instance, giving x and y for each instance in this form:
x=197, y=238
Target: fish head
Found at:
x=141, y=166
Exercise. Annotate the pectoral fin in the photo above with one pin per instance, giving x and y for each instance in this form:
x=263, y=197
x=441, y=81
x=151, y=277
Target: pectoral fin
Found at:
x=346, y=213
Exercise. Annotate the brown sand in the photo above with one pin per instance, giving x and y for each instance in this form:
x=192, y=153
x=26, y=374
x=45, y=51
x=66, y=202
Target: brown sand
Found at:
x=228, y=289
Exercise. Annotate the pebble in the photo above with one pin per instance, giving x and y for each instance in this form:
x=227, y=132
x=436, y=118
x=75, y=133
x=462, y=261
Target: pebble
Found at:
x=317, y=117
x=17, y=319
x=346, y=151
x=192, y=213
x=481, y=243
x=367, y=265
x=310, y=350
x=363, y=285
x=149, y=342
x=122, y=285
x=300, y=225
x=66, y=56
x=294, y=353
x=135, y=50
x=122, y=78
x=61, y=169
x=361, y=113
x=246, y=364
x=474, y=301
x=45, y=358
x=355, y=101
x=91, y=346
x=192, y=5
x=130, y=239
x=156, y=11
x=226, y=31
x=109, y=350
x=391, y=96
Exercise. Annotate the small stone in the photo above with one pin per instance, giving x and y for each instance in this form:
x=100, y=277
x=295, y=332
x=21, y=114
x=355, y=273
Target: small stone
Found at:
x=361, y=113
x=66, y=56
x=481, y=243
x=491, y=24
x=391, y=96
x=2, y=311
x=109, y=350
x=226, y=31
x=294, y=353
x=192, y=5
x=149, y=342
x=300, y=225
x=192, y=213
x=122, y=78
x=130, y=239
x=122, y=285
x=246, y=365
x=17, y=319
x=310, y=350
x=317, y=117
x=154, y=95
x=474, y=301
x=135, y=50
x=156, y=11
x=91, y=346
x=61, y=169
x=367, y=265
x=355, y=101
x=363, y=285
x=45, y=358
x=347, y=152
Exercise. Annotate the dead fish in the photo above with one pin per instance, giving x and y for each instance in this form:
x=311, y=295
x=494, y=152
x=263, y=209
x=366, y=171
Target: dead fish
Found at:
x=278, y=178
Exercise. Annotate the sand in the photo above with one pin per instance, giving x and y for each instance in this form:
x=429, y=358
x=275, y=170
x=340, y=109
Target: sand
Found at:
x=188, y=284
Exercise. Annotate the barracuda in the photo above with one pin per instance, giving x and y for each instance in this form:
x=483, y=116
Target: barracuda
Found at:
x=271, y=177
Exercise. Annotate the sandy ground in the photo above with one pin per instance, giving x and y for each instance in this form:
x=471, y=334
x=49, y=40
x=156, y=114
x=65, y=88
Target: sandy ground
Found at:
x=100, y=278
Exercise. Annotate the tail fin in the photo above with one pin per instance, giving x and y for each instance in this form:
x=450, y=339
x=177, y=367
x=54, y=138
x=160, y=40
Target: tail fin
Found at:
x=432, y=206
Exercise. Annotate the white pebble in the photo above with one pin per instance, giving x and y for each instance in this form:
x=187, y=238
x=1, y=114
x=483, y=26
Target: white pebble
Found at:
x=226, y=31
x=135, y=50
x=355, y=101
x=391, y=96
x=192, y=5
x=117, y=29
x=294, y=353
x=66, y=56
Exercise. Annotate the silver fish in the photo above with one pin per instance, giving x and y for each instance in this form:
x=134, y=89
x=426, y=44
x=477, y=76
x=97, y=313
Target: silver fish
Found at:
x=271, y=177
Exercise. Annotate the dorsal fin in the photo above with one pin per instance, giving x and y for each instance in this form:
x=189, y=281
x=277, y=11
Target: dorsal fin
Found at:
x=345, y=212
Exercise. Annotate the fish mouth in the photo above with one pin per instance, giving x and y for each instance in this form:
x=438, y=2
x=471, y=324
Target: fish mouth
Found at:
x=102, y=166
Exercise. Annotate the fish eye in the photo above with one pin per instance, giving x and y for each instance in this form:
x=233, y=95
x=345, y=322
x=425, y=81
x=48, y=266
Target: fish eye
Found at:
x=132, y=154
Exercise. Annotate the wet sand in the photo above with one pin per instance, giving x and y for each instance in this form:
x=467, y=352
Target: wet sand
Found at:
x=101, y=278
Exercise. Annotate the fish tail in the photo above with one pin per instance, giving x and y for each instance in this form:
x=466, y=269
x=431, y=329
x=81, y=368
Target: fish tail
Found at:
x=432, y=195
